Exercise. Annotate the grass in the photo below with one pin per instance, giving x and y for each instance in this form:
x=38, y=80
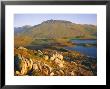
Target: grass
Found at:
x=58, y=42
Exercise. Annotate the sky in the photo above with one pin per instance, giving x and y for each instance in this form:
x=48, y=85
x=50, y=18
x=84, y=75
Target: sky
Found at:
x=34, y=19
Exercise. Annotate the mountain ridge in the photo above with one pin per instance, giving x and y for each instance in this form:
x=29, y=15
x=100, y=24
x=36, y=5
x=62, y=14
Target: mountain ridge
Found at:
x=55, y=29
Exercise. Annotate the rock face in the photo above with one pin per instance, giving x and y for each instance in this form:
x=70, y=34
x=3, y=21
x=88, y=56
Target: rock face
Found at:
x=51, y=63
x=23, y=65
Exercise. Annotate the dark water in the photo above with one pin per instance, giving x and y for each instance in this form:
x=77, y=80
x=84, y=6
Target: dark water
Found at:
x=80, y=47
x=84, y=41
x=89, y=51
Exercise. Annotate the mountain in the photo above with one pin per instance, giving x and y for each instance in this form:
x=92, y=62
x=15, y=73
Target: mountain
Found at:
x=54, y=29
x=21, y=29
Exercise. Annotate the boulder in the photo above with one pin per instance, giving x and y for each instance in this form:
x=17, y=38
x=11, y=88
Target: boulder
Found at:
x=35, y=67
x=72, y=73
x=62, y=72
x=46, y=57
x=52, y=74
x=52, y=58
x=48, y=67
x=40, y=52
x=55, y=56
x=61, y=65
x=22, y=48
x=22, y=64
x=59, y=62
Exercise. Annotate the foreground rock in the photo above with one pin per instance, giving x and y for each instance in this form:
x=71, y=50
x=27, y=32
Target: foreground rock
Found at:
x=52, y=63
x=22, y=65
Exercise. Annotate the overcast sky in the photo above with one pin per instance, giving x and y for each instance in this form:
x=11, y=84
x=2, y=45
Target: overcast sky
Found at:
x=34, y=19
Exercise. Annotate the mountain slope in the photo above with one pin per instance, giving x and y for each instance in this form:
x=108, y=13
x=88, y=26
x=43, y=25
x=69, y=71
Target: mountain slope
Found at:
x=55, y=29
x=21, y=29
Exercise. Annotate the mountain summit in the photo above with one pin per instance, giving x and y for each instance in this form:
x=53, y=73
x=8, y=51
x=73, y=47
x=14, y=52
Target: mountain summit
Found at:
x=56, y=21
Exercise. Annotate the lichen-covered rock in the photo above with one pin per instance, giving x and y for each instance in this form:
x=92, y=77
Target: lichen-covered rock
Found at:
x=22, y=48
x=22, y=64
x=52, y=58
x=46, y=57
x=72, y=73
x=40, y=52
x=52, y=63
x=59, y=62
x=35, y=67
x=56, y=55
x=52, y=74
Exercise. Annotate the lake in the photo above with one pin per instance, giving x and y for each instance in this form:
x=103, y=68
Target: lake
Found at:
x=87, y=50
x=87, y=47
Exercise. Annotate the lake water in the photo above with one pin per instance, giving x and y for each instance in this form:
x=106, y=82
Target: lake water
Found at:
x=87, y=50
x=84, y=41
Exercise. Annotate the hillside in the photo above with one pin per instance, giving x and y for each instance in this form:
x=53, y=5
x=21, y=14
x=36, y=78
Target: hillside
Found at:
x=52, y=63
x=54, y=29
x=21, y=29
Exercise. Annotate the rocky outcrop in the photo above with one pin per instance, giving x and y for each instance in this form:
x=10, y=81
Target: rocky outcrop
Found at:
x=22, y=48
x=24, y=65
x=42, y=68
x=46, y=57
x=51, y=63
x=56, y=55
x=59, y=62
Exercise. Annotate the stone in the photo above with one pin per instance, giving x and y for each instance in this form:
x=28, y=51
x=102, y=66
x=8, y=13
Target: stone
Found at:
x=30, y=64
x=48, y=67
x=22, y=48
x=74, y=63
x=40, y=52
x=39, y=66
x=46, y=57
x=62, y=72
x=72, y=73
x=59, y=62
x=17, y=72
x=45, y=71
x=35, y=67
x=51, y=74
x=59, y=56
x=23, y=65
x=61, y=65
x=52, y=58
x=56, y=55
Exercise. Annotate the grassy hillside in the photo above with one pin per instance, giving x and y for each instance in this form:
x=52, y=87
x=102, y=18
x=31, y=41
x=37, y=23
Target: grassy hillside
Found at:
x=55, y=29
